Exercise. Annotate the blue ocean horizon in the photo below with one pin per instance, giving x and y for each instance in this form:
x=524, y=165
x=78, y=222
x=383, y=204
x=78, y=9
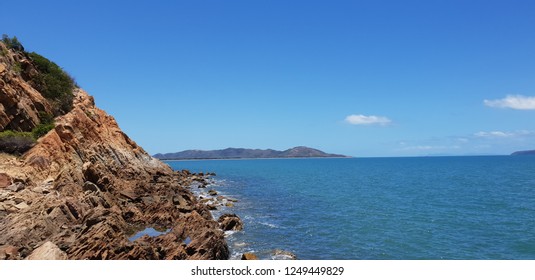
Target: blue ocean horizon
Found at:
x=470, y=207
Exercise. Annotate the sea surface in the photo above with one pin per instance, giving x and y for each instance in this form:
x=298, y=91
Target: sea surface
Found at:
x=379, y=208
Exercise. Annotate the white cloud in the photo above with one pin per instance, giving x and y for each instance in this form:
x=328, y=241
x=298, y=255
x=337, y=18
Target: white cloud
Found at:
x=502, y=134
x=494, y=134
x=517, y=102
x=366, y=120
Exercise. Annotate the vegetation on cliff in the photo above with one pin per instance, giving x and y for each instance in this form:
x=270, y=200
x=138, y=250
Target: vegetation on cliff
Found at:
x=14, y=142
x=53, y=83
x=84, y=187
x=21, y=130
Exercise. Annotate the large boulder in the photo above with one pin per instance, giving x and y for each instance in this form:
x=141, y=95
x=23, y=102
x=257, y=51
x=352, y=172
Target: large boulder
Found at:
x=47, y=251
x=230, y=222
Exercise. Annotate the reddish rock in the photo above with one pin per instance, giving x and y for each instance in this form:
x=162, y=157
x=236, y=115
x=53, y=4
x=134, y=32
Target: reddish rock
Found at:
x=101, y=187
x=9, y=252
x=249, y=257
x=5, y=180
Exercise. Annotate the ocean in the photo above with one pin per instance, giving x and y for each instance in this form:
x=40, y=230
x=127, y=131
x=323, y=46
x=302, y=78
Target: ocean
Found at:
x=379, y=208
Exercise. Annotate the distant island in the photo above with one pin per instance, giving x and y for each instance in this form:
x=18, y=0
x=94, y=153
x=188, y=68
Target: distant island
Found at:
x=524, y=153
x=240, y=153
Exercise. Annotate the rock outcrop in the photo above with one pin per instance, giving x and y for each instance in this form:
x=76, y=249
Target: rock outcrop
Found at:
x=230, y=222
x=47, y=251
x=20, y=103
x=85, y=187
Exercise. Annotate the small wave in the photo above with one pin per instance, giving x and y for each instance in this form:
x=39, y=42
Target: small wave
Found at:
x=229, y=232
x=269, y=224
x=240, y=244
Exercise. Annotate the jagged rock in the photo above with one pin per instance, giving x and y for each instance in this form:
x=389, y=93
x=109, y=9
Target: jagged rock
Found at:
x=88, y=186
x=211, y=206
x=230, y=222
x=86, y=152
x=249, y=257
x=212, y=192
x=279, y=254
x=47, y=251
x=22, y=205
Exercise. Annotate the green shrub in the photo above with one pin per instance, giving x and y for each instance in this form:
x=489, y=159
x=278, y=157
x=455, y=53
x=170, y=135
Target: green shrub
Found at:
x=12, y=43
x=54, y=83
x=17, y=68
x=41, y=129
x=16, y=142
x=45, y=117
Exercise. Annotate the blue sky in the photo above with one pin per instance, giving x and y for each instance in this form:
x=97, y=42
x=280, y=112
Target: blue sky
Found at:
x=362, y=78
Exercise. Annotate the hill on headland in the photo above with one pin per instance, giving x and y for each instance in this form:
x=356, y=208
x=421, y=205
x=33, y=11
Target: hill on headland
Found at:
x=240, y=153
x=524, y=153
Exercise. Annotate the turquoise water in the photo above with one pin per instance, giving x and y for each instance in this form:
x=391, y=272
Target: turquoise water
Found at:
x=381, y=208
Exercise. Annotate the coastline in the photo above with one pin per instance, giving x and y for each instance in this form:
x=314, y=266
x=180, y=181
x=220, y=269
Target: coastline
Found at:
x=216, y=194
x=206, y=159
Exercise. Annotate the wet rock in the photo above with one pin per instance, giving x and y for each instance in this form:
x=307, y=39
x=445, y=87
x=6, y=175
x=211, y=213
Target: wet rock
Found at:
x=249, y=257
x=211, y=206
x=230, y=222
x=229, y=204
x=47, y=251
x=279, y=254
x=212, y=192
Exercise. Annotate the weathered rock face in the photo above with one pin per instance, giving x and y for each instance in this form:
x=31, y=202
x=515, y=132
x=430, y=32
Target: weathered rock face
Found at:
x=20, y=103
x=85, y=187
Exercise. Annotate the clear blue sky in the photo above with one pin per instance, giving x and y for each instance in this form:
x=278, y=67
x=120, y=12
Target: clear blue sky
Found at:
x=363, y=78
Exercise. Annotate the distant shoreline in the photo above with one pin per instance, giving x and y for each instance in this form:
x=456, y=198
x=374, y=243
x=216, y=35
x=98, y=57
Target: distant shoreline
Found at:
x=346, y=157
x=242, y=153
x=192, y=159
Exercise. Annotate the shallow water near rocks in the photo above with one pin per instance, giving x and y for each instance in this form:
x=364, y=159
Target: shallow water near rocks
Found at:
x=380, y=208
x=152, y=232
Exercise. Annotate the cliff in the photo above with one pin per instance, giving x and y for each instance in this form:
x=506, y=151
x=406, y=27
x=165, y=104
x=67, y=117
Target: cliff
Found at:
x=85, y=186
x=296, y=152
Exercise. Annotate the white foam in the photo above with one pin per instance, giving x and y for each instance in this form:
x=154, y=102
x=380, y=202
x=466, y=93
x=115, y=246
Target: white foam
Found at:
x=269, y=224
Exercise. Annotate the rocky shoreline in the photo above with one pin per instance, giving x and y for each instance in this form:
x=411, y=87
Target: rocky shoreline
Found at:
x=41, y=221
x=221, y=204
x=84, y=187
